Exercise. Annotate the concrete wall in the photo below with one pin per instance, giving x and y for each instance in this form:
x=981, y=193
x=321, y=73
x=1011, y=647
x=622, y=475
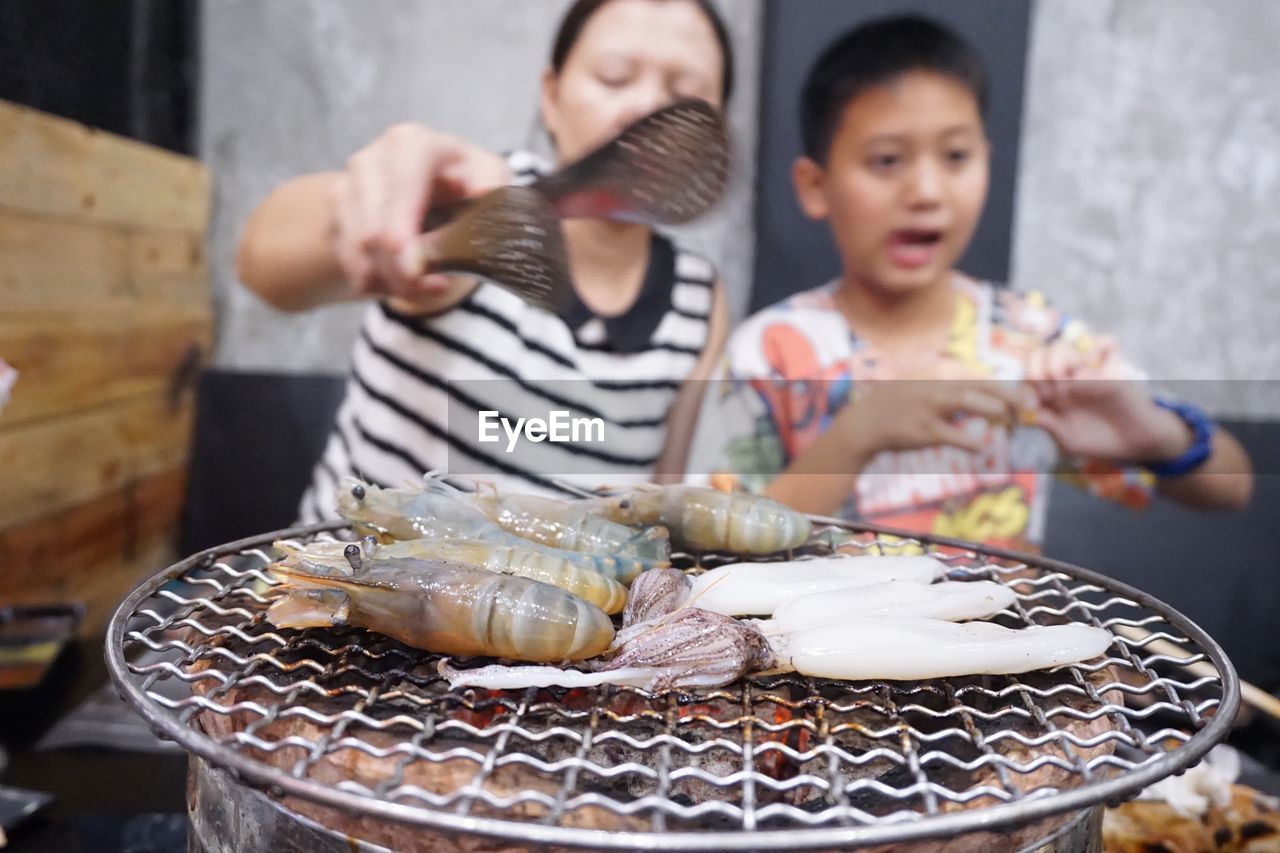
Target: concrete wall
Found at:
x=296, y=87
x=1149, y=199
x=1150, y=158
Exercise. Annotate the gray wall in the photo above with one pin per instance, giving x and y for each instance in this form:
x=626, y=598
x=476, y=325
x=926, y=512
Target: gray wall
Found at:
x=1149, y=197
x=1148, y=204
x=296, y=87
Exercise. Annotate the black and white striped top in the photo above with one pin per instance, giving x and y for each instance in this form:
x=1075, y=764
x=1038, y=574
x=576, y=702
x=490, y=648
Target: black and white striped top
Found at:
x=418, y=384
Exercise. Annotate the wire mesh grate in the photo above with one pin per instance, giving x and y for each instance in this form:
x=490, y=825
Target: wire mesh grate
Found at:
x=352, y=719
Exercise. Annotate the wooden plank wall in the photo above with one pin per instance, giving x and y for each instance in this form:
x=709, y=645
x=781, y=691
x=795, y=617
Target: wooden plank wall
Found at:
x=105, y=313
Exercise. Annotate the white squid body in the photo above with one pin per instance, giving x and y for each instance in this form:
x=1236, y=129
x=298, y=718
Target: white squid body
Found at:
x=757, y=589
x=950, y=600
x=848, y=618
x=500, y=677
x=899, y=648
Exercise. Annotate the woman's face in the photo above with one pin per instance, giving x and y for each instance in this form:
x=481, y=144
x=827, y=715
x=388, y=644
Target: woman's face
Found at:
x=631, y=58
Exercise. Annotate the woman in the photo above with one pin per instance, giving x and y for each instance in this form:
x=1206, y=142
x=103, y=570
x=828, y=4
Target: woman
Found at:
x=435, y=351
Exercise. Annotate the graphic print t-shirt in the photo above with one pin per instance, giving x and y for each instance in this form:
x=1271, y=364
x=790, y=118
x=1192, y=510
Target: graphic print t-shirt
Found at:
x=790, y=368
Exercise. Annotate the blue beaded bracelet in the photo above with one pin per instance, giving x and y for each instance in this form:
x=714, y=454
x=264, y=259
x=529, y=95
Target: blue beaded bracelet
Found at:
x=1201, y=426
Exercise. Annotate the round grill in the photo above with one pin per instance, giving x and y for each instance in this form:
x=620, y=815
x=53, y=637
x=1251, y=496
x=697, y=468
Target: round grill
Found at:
x=358, y=722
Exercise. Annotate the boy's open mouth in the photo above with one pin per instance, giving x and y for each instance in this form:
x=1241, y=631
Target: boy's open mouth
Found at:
x=914, y=247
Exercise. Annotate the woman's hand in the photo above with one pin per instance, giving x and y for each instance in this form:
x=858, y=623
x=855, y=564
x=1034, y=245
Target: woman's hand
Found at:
x=1093, y=405
x=380, y=200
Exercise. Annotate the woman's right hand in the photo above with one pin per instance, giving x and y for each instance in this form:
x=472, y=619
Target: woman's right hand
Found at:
x=379, y=202
x=908, y=414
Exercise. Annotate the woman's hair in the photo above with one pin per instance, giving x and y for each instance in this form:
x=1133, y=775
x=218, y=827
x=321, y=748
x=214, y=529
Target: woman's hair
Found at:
x=573, y=22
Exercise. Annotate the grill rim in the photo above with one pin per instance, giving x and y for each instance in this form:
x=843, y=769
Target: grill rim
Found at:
x=988, y=819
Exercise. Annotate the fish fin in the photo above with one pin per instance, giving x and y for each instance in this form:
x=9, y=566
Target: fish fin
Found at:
x=310, y=608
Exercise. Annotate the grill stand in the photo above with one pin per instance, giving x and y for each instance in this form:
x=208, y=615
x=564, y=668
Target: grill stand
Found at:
x=228, y=817
x=190, y=651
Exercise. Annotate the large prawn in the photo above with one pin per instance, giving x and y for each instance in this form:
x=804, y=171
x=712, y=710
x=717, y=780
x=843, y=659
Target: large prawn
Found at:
x=444, y=607
x=540, y=564
x=412, y=514
x=570, y=525
x=703, y=519
x=407, y=514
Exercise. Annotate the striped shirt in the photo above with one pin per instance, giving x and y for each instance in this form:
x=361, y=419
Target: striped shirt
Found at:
x=419, y=385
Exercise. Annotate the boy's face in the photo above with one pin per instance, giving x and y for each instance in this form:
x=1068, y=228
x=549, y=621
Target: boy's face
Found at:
x=904, y=183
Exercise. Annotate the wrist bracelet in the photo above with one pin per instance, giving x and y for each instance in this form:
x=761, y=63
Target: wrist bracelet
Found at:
x=1198, y=453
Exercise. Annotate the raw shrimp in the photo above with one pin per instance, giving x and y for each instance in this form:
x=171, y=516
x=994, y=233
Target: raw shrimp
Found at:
x=703, y=519
x=951, y=601
x=569, y=525
x=755, y=589
x=539, y=564
x=404, y=514
x=443, y=607
x=412, y=514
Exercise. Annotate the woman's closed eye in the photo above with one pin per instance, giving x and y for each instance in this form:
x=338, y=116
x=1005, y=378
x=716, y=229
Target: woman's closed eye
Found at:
x=616, y=75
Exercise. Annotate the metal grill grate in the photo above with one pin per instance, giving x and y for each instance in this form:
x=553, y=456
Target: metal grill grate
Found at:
x=353, y=720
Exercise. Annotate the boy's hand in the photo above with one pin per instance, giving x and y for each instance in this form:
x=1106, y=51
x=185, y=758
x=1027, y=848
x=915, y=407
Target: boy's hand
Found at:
x=1092, y=407
x=907, y=414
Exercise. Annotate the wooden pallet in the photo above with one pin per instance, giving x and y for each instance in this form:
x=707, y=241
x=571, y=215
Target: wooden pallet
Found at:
x=105, y=313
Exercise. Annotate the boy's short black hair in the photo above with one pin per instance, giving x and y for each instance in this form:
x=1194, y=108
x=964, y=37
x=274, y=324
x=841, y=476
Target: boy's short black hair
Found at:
x=873, y=54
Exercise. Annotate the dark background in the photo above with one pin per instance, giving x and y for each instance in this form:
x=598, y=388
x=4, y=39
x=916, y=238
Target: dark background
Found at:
x=127, y=66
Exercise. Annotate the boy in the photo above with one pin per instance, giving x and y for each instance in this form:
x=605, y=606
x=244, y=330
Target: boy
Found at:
x=896, y=161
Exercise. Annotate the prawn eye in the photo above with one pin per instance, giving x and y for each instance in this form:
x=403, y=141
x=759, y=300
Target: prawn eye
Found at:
x=624, y=504
x=357, y=492
x=352, y=553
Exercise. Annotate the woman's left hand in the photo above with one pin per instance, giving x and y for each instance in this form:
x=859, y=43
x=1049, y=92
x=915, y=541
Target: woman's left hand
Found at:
x=1093, y=406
